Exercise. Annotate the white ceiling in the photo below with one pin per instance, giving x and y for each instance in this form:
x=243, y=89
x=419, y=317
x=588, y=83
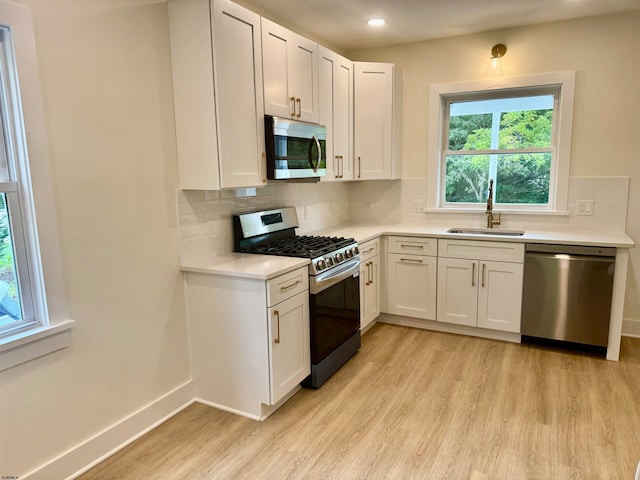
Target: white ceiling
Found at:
x=343, y=23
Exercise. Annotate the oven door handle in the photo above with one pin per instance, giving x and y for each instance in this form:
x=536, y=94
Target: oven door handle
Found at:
x=325, y=280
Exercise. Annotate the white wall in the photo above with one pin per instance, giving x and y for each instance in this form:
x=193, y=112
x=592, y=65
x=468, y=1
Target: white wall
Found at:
x=602, y=50
x=108, y=104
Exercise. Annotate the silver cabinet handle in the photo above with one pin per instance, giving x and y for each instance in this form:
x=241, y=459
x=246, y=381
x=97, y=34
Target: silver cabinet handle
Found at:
x=359, y=167
x=277, y=314
x=299, y=103
x=415, y=260
x=484, y=269
x=473, y=275
x=287, y=287
x=341, y=166
x=292, y=100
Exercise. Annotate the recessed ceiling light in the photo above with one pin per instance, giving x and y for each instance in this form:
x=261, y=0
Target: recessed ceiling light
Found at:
x=376, y=22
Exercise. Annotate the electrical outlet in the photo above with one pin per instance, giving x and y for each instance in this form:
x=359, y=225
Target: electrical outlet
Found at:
x=418, y=205
x=584, y=207
x=213, y=228
x=369, y=204
x=307, y=212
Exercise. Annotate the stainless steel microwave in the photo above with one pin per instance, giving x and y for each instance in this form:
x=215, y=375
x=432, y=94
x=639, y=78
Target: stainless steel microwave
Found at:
x=294, y=149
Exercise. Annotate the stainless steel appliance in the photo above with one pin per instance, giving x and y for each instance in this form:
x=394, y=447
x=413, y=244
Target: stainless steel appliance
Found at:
x=567, y=295
x=294, y=149
x=334, y=288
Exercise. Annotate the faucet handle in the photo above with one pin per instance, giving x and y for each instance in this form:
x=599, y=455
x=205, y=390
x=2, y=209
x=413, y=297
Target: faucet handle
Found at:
x=498, y=221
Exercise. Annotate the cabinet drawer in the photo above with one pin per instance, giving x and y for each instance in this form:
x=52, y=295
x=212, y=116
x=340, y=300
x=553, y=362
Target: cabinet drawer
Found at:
x=287, y=285
x=481, y=250
x=369, y=249
x=414, y=245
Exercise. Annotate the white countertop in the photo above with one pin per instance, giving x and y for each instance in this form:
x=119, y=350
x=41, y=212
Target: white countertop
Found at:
x=246, y=265
x=265, y=267
x=362, y=233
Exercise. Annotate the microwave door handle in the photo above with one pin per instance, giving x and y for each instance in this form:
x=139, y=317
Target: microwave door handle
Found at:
x=317, y=164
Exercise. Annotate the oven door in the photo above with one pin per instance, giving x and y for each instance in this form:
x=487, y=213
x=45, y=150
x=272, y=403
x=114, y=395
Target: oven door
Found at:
x=334, y=307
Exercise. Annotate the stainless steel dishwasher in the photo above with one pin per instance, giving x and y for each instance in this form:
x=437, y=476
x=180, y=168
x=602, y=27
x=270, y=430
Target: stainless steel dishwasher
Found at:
x=567, y=296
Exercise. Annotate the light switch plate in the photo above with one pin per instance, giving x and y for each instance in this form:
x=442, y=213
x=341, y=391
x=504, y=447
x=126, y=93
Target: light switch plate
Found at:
x=584, y=207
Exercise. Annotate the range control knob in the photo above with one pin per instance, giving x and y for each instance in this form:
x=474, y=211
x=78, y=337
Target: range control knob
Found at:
x=339, y=257
x=355, y=250
x=321, y=264
x=348, y=253
x=329, y=262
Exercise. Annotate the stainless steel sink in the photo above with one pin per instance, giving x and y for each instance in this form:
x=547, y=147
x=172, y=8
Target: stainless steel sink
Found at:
x=487, y=231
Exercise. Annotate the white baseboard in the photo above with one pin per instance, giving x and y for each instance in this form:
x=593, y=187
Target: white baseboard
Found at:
x=92, y=451
x=631, y=327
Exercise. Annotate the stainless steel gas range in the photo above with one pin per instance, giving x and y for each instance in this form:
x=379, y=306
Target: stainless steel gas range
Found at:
x=334, y=289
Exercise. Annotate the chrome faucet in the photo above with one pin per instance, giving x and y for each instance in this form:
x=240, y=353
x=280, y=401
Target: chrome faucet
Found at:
x=490, y=220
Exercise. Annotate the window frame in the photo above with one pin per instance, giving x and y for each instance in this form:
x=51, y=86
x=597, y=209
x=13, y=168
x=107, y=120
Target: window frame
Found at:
x=490, y=88
x=52, y=331
x=16, y=185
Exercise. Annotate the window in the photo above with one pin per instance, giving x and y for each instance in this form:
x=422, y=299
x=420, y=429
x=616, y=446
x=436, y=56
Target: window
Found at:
x=16, y=295
x=515, y=132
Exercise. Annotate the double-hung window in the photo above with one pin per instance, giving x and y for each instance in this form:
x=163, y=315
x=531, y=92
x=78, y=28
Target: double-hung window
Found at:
x=16, y=290
x=516, y=134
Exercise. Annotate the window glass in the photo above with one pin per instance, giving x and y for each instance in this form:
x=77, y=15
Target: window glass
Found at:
x=10, y=304
x=508, y=139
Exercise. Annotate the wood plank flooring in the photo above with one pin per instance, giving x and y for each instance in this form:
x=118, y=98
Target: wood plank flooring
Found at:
x=415, y=404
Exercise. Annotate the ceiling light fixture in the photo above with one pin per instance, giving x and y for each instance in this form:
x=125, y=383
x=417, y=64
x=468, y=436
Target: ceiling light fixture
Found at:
x=495, y=64
x=376, y=22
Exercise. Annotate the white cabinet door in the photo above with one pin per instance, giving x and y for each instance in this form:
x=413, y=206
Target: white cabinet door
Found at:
x=457, y=291
x=373, y=120
x=218, y=96
x=239, y=95
x=336, y=113
x=411, y=281
x=369, y=291
x=500, y=296
x=289, y=345
x=290, y=73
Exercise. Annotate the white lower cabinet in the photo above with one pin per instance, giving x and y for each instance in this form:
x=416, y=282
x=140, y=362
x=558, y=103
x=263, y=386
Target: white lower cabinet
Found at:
x=289, y=357
x=411, y=277
x=249, y=339
x=476, y=290
x=369, y=283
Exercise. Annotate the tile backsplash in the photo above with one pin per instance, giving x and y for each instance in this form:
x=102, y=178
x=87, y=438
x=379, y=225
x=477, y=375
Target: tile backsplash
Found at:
x=204, y=217
x=401, y=201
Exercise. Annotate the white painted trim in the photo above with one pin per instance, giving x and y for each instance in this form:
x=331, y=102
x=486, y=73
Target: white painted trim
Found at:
x=33, y=343
x=631, y=327
x=565, y=117
x=95, y=449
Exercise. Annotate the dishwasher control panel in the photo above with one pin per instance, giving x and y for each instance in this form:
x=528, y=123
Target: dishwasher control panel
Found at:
x=593, y=251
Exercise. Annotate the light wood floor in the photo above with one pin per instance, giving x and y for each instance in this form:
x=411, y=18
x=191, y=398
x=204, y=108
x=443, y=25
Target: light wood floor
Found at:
x=414, y=404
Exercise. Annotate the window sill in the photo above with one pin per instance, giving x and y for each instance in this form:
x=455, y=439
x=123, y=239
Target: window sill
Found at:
x=33, y=343
x=556, y=213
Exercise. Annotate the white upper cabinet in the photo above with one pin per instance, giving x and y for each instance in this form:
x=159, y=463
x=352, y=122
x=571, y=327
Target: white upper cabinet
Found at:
x=376, y=121
x=290, y=73
x=336, y=113
x=218, y=97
